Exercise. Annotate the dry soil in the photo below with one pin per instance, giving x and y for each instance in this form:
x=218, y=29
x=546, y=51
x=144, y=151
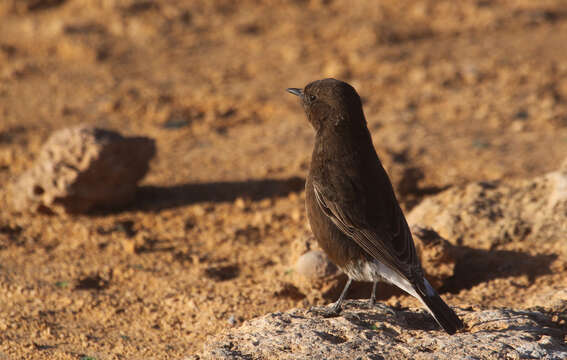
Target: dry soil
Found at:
x=453, y=92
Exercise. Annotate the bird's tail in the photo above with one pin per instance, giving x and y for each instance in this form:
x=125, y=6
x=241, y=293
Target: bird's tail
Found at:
x=443, y=314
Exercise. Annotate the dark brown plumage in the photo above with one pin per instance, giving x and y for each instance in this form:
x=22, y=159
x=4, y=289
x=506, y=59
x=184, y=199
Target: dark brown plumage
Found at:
x=351, y=205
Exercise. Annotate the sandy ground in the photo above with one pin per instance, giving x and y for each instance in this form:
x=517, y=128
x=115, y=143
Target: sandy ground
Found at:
x=461, y=91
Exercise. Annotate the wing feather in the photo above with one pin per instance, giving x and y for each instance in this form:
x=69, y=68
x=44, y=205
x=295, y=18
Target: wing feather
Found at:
x=390, y=243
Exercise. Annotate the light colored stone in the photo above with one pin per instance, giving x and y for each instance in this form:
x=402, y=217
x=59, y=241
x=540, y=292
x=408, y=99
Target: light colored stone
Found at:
x=83, y=168
x=315, y=263
x=384, y=333
x=329, y=281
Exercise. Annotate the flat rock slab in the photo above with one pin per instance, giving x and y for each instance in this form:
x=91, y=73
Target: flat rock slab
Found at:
x=387, y=333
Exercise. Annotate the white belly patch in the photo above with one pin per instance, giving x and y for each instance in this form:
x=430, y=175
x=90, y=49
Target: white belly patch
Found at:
x=376, y=271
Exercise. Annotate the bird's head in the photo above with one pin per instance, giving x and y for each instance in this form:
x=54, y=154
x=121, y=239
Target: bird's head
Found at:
x=331, y=103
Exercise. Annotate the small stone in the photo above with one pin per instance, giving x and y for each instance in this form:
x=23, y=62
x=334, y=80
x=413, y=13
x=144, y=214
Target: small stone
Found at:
x=315, y=263
x=129, y=246
x=240, y=203
x=198, y=210
x=295, y=215
x=518, y=126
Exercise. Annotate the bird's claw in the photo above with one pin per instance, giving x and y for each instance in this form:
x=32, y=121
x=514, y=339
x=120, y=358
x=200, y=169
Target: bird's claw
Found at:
x=325, y=311
x=371, y=303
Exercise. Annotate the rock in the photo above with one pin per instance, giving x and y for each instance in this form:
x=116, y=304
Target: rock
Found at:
x=315, y=264
x=552, y=301
x=558, y=194
x=438, y=256
x=83, y=168
x=386, y=333
x=486, y=215
x=302, y=245
x=314, y=275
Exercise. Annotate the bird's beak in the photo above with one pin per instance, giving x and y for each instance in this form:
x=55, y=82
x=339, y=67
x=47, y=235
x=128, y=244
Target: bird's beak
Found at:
x=296, y=91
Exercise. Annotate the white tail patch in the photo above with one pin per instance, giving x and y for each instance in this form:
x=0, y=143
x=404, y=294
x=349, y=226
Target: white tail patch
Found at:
x=376, y=271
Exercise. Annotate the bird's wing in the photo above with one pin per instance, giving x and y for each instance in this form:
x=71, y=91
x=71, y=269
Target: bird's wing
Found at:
x=384, y=236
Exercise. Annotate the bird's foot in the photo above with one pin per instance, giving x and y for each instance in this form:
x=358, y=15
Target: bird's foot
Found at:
x=371, y=302
x=325, y=311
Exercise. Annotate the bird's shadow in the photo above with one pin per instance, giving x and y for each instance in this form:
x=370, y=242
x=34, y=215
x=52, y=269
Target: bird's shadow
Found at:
x=476, y=266
x=156, y=198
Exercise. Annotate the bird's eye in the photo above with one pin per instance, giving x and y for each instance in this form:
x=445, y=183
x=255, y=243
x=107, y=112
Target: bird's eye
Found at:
x=312, y=97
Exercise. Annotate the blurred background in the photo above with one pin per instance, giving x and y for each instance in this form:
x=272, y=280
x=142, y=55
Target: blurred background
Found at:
x=454, y=92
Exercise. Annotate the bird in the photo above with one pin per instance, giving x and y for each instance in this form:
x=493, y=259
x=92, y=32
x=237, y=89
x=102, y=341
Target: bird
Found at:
x=351, y=205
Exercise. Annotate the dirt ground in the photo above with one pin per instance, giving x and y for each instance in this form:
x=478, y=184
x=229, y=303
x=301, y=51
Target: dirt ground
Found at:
x=455, y=91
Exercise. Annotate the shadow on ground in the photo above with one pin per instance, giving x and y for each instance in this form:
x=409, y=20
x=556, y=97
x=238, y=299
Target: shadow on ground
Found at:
x=475, y=266
x=156, y=198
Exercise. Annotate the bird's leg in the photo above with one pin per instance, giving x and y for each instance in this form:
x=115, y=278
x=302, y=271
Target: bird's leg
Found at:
x=336, y=308
x=372, y=300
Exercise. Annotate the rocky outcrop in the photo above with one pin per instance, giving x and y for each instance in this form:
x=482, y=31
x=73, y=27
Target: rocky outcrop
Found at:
x=83, y=168
x=487, y=215
x=387, y=333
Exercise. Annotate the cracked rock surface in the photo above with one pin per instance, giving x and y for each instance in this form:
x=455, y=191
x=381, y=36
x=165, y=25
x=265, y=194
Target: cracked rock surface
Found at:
x=388, y=333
